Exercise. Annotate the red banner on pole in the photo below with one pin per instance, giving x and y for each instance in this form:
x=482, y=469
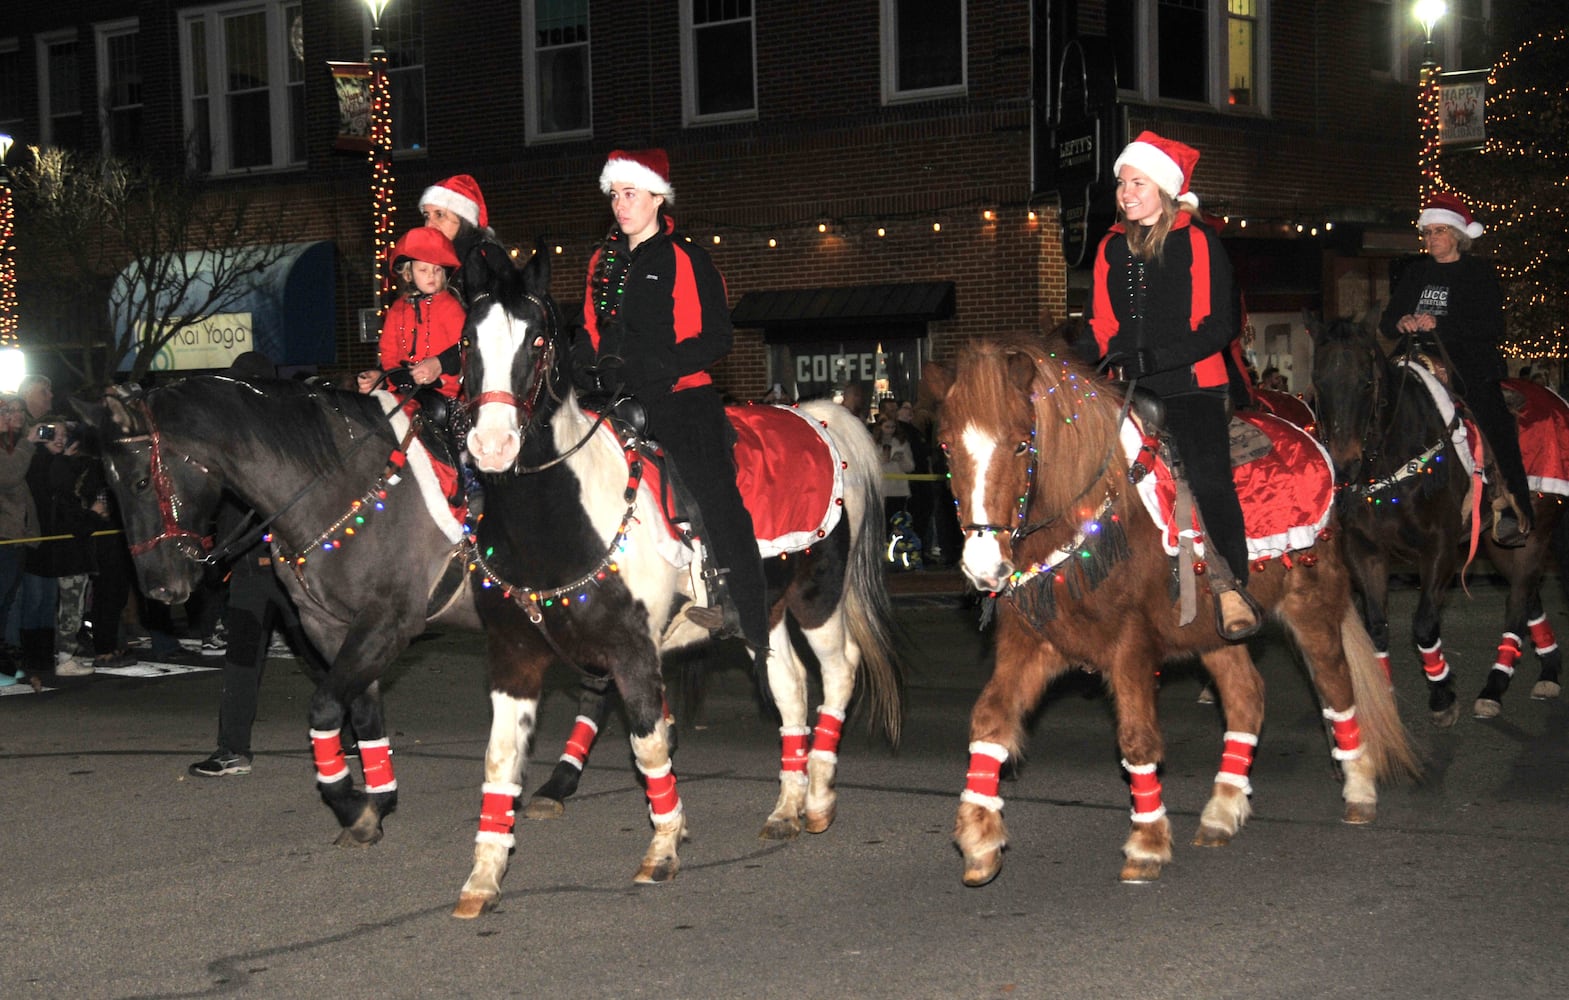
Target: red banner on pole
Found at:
x=351, y=81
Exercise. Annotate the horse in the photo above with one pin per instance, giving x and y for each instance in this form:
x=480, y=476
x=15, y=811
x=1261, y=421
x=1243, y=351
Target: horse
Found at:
x=364, y=539
x=578, y=563
x=1405, y=495
x=1038, y=454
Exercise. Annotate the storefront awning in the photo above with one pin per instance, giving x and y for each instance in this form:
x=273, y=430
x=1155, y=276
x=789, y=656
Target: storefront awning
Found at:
x=797, y=309
x=286, y=310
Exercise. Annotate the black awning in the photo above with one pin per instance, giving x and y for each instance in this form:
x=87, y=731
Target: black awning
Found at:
x=853, y=305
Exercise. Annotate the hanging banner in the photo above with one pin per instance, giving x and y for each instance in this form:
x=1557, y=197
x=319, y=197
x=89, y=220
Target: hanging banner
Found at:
x=1462, y=104
x=351, y=81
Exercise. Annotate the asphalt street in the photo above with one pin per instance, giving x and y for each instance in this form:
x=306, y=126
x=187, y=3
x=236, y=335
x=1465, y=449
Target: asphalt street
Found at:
x=124, y=877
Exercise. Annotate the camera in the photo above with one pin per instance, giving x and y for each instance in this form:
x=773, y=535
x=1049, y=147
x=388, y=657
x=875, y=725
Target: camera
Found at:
x=69, y=432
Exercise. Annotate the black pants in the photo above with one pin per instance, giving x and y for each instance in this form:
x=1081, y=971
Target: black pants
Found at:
x=1198, y=425
x=692, y=428
x=257, y=605
x=1485, y=398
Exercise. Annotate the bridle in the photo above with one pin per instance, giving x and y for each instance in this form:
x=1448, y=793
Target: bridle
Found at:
x=542, y=380
x=163, y=489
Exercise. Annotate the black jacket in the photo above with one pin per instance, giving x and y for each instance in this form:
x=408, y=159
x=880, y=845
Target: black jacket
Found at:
x=1467, y=307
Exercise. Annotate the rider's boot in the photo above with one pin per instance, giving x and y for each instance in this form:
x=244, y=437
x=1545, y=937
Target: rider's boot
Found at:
x=1511, y=522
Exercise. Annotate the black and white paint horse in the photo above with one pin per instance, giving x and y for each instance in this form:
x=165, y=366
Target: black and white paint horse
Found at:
x=578, y=564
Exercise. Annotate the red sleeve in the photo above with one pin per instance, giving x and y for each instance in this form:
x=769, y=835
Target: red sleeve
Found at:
x=1103, y=321
x=398, y=316
x=590, y=314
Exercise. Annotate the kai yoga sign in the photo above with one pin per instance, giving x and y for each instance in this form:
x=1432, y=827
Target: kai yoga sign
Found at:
x=211, y=342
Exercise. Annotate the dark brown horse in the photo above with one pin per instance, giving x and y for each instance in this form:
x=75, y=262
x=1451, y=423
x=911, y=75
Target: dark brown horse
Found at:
x=1405, y=498
x=1054, y=528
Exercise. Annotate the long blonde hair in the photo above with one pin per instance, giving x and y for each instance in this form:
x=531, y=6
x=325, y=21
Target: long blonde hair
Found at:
x=1147, y=243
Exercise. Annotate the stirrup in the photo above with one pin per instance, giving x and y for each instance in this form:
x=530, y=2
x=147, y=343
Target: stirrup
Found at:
x=1507, y=530
x=1237, y=615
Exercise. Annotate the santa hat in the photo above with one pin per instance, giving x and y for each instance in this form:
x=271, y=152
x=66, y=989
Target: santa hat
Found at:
x=1445, y=209
x=426, y=243
x=1167, y=162
x=461, y=196
x=648, y=169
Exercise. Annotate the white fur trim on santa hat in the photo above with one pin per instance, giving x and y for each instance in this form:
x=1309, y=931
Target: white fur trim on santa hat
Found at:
x=1162, y=169
x=639, y=176
x=457, y=204
x=1444, y=217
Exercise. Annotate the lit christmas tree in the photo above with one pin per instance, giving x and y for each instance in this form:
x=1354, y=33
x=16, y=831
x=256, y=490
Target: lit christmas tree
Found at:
x=1518, y=184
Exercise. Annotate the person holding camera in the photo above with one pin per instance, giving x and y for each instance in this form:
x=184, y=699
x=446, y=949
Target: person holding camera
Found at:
x=54, y=581
x=18, y=519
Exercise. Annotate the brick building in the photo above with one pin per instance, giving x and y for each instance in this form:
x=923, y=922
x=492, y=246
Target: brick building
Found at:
x=878, y=174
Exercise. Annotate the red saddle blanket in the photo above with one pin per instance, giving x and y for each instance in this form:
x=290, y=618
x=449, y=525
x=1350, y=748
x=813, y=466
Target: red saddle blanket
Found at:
x=1544, y=437
x=790, y=474
x=1286, y=491
x=1285, y=406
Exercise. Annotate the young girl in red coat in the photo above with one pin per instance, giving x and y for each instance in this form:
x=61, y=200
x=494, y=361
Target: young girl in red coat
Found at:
x=423, y=328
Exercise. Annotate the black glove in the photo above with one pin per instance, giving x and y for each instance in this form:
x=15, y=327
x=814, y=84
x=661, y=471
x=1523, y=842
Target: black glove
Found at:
x=400, y=379
x=1130, y=365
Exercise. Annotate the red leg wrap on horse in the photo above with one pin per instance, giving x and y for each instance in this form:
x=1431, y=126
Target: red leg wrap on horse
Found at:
x=581, y=741
x=661, y=791
x=327, y=749
x=825, y=738
x=1508, y=653
x=792, y=749
x=1236, y=760
x=1145, y=786
x=376, y=758
x=1383, y=661
x=1542, y=636
x=1433, y=661
x=985, y=774
x=1348, y=735
x=496, y=814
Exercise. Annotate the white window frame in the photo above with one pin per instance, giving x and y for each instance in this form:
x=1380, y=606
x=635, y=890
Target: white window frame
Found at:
x=278, y=84
x=534, y=133
x=890, y=59
x=1146, y=88
x=44, y=42
x=11, y=126
x=689, y=113
x=102, y=33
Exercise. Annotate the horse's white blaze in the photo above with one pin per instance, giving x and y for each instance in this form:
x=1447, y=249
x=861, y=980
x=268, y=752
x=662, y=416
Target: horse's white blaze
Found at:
x=981, y=560
x=494, y=441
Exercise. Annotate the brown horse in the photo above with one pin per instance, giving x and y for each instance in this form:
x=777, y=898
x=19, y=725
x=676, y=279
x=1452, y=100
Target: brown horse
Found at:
x=1054, y=529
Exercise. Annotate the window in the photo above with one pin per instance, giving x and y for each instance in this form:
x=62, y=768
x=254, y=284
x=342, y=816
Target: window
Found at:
x=403, y=35
x=10, y=87
x=556, y=68
x=60, y=91
x=1192, y=51
x=120, y=73
x=1397, y=43
x=719, y=72
x=924, y=49
x=244, y=85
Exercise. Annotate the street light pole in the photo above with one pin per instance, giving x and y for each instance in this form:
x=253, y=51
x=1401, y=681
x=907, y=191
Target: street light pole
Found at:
x=381, y=184
x=12, y=364
x=1428, y=12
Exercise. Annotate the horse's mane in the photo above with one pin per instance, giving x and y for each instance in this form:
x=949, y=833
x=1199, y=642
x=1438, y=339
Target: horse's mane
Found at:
x=1074, y=414
x=279, y=420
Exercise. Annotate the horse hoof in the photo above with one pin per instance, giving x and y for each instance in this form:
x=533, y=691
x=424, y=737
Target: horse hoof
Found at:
x=540, y=807
x=655, y=872
x=1360, y=813
x=1486, y=708
x=1211, y=836
x=473, y=904
x=353, y=837
x=982, y=868
x=1546, y=690
x=1137, y=871
x=820, y=822
x=1447, y=717
x=780, y=829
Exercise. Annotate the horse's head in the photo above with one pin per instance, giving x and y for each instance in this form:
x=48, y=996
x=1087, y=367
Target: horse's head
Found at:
x=510, y=361
x=1349, y=369
x=986, y=429
x=167, y=499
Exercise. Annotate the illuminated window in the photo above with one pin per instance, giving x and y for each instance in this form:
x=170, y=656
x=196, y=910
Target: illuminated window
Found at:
x=1192, y=51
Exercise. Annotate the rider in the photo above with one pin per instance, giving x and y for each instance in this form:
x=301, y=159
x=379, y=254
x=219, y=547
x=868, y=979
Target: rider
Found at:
x=423, y=329
x=456, y=207
x=654, y=319
x=1163, y=314
x=1453, y=298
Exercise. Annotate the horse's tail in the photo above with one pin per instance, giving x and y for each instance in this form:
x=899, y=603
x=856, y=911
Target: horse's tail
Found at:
x=1384, y=737
x=868, y=610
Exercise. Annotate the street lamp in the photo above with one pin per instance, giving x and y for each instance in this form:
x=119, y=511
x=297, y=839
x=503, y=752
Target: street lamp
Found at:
x=381, y=182
x=12, y=365
x=1428, y=12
